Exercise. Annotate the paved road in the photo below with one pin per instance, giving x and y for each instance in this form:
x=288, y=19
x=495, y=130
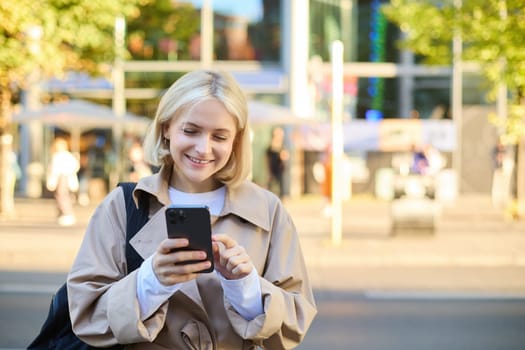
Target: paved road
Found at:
x=415, y=322
x=24, y=303
x=346, y=320
x=412, y=291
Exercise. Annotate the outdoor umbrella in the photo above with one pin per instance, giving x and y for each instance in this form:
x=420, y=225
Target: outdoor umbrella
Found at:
x=76, y=116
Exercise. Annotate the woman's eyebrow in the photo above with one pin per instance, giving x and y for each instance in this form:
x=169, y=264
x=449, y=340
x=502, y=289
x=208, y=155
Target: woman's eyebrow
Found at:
x=190, y=124
x=193, y=125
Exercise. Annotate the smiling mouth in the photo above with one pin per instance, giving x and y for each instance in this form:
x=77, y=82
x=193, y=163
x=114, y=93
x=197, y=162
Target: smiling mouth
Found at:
x=198, y=161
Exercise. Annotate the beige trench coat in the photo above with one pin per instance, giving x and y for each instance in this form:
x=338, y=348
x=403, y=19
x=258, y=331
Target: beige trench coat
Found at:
x=102, y=297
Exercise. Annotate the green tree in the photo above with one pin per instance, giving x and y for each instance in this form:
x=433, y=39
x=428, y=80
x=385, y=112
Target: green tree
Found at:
x=51, y=37
x=173, y=22
x=493, y=35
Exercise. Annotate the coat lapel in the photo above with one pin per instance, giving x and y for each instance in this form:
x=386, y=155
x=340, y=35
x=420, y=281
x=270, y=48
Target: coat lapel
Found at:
x=146, y=241
x=148, y=238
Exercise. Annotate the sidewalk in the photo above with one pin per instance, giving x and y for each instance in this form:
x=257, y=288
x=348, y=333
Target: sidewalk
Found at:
x=474, y=249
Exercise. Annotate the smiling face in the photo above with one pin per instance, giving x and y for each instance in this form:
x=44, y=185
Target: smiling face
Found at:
x=201, y=142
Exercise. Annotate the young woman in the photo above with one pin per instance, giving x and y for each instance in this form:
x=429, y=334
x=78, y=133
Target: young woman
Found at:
x=258, y=296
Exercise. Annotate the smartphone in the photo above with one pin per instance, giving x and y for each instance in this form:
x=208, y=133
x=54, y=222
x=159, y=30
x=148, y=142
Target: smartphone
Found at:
x=192, y=223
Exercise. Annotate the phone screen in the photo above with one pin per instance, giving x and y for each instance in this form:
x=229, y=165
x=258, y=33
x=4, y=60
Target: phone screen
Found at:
x=192, y=223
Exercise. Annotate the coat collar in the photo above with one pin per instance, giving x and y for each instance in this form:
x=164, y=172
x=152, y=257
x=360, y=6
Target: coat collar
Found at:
x=249, y=202
x=155, y=185
x=245, y=201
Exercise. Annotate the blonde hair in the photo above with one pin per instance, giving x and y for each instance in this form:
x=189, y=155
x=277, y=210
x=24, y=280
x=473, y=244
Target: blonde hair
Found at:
x=189, y=90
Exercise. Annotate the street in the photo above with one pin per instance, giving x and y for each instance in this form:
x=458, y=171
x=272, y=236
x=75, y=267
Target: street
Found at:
x=404, y=322
x=346, y=320
x=24, y=303
x=460, y=288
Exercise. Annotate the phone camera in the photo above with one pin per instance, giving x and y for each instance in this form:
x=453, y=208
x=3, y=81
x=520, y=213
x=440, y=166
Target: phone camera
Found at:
x=181, y=215
x=177, y=216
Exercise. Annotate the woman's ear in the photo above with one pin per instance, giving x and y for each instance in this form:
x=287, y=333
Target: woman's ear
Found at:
x=165, y=130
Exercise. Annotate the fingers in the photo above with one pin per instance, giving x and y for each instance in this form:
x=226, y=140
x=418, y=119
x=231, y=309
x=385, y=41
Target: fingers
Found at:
x=239, y=265
x=231, y=259
x=168, y=245
x=176, y=266
x=171, y=273
x=224, y=239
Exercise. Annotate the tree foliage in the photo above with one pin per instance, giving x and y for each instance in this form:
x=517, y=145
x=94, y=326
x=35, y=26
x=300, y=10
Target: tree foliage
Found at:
x=57, y=35
x=493, y=34
x=49, y=37
x=163, y=20
x=427, y=28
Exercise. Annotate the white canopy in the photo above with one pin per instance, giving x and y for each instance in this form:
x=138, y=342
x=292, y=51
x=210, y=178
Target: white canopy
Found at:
x=83, y=115
x=77, y=116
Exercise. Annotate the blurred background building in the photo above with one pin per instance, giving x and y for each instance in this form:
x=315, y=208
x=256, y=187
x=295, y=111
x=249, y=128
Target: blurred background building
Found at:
x=279, y=50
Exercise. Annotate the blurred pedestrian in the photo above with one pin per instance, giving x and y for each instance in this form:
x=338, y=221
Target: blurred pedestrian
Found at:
x=83, y=181
x=503, y=164
x=276, y=158
x=138, y=167
x=62, y=180
x=322, y=172
x=13, y=175
x=435, y=160
x=259, y=295
x=100, y=160
x=419, y=161
x=498, y=155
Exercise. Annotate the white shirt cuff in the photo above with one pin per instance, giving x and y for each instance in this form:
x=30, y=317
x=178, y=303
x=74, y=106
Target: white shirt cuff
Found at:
x=244, y=294
x=151, y=294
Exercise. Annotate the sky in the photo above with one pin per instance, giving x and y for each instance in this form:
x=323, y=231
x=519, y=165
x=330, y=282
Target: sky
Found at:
x=251, y=9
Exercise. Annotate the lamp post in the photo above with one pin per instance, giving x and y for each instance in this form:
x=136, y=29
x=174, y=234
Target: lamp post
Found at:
x=457, y=97
x=33, y=35
x=207, y=33
x=337, y=141
x=119, y=98
x=32, y=135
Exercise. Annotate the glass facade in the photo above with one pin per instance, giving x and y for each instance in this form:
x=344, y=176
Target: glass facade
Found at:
x=432, y=97
x=254, y=31
x=255, y=39
x=171, y=30
x=248, y=32
x=367, y=37
x=376, y=36
x=333, y=20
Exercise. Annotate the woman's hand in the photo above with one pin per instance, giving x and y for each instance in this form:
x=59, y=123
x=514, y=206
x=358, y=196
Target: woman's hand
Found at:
x=168, y=263
x=231, y=259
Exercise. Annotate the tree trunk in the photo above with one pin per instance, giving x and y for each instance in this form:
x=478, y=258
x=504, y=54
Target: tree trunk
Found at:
x=6, y=140
x=520, y=178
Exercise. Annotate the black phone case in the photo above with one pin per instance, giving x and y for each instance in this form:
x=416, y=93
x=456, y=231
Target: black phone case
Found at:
x=193, y=223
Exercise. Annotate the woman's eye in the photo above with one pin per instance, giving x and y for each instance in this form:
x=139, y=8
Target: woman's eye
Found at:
x=221, y=137
x=189, y=131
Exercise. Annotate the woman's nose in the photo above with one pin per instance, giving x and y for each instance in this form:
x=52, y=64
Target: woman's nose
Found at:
x=203, y=144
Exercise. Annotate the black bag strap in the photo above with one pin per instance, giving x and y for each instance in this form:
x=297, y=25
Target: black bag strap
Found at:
x=56, y=332
x=135, y=219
